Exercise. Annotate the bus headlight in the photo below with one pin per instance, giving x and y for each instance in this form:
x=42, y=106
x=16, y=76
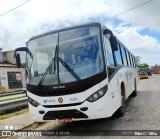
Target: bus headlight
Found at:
x=98, y=94
x=33, y=102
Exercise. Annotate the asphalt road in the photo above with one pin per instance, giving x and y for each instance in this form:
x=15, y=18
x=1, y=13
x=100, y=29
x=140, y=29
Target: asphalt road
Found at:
x=142, y=113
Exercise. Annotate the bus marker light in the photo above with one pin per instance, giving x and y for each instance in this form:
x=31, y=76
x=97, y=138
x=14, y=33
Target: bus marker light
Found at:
x=64, y=120
x=112, y=95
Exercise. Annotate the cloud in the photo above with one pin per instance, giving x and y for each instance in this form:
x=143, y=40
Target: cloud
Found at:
x=37, y=16
x=40, y=16
x=145, y=46
x=136, y=41
x=146, y=15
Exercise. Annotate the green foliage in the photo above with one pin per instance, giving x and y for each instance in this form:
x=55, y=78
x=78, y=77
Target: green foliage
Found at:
x=146, y=65
x=3, y=89
x=137, y=58
x=141, y=66
x=4, y=116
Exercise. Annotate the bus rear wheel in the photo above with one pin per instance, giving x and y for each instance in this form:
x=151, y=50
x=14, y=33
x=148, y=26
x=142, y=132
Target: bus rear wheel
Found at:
x=120, y=112
x=134, y=94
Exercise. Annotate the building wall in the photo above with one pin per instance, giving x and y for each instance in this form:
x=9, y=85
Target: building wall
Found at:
x=1, y=56
x=8, y=56
x=157, y=69
x=4, y=76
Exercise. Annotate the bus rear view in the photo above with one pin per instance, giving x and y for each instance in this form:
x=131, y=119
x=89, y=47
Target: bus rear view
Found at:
x=67, y=77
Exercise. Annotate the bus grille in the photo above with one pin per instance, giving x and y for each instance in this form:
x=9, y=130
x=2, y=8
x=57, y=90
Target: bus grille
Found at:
x=52, y=115
x=62, y=105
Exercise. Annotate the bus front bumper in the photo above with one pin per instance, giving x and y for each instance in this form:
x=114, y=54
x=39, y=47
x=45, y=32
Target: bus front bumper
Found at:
x=84, y=111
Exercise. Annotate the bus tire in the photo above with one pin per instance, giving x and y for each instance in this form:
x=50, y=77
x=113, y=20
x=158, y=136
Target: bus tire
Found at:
x=134, y=94
x=120, y=112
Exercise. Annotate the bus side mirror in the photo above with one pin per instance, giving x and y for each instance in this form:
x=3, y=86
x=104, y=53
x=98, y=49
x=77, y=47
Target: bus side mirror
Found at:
x=113, y=42
x=112, y=39
x=23, y=49
x=17, y=55
x=18, y=60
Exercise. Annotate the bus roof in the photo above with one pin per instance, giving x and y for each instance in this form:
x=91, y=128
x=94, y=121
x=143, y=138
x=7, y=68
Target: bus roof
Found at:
x=63, y=29
x=72, y=27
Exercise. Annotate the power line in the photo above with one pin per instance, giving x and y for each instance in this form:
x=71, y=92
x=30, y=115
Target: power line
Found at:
x=14, y=8
x=127, y=10
x=84, y=8
x=54, y=20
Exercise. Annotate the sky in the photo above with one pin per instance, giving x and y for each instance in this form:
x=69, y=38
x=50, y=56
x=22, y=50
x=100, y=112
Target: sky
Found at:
x=138, y=29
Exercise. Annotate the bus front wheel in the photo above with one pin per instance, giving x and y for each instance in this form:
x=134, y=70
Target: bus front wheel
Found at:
x=120, y=112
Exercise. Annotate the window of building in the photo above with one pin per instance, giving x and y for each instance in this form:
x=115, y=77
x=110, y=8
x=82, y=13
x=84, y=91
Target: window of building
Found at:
x=14, y=80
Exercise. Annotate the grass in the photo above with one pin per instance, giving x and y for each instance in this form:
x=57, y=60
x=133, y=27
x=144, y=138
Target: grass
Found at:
x=12, y=98
x=4, y=116
x=4, y=89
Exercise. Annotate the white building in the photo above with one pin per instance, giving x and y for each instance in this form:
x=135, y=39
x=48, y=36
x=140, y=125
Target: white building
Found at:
x=1, y=56
x=10, y=76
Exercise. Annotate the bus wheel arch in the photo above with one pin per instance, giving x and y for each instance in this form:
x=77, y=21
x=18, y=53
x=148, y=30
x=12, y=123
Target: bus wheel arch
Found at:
x=121, y=110
x=134, y=93
x=123, y=89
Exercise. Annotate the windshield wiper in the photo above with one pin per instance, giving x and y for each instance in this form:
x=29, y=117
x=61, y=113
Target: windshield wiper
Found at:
x=53, y=61
x=44, y=75
x=69, y=69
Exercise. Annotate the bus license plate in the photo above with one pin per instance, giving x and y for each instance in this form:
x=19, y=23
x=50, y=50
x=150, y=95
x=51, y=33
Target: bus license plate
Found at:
x=65, y=120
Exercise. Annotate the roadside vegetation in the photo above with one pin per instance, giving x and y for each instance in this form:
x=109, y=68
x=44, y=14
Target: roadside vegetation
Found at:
x=4, y=89
x=7, y=99
x=4, y=116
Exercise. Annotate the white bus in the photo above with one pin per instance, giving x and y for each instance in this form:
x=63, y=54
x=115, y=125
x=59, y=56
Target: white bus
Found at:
x=78, y=73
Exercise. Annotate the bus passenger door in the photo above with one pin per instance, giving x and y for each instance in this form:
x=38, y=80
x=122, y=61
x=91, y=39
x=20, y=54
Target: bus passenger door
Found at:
x=113, y=84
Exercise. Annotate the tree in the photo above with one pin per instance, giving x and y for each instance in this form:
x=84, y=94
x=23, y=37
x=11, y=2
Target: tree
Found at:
x=146, y=65
x=137, y=58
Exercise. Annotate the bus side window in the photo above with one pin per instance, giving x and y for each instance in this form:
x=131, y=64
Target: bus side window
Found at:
x=118, y=56
x=128, y=59
x=124, y=56
x=130, y=56
x=111, y=65
x=134, y=64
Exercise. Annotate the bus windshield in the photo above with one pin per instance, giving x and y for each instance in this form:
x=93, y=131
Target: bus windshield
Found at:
x=65, y=56
x=143, y=71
